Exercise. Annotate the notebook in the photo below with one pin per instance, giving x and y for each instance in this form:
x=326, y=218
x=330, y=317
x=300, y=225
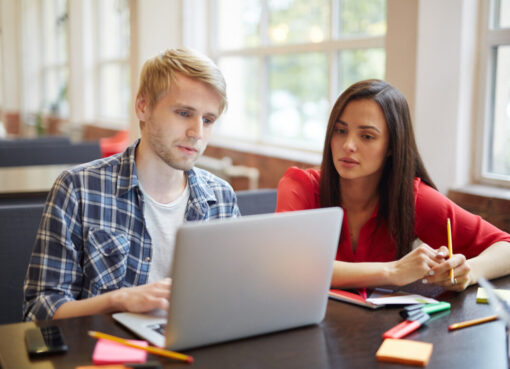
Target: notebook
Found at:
x=245, y=276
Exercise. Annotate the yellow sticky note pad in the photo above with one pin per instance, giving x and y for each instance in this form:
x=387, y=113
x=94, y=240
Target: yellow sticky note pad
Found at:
x=405, y=351
x=481, y=295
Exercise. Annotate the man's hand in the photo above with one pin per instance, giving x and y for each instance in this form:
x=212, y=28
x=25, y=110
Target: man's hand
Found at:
x=143, y=298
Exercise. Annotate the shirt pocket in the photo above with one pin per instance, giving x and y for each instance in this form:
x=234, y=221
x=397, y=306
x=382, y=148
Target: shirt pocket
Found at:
x=105, y=260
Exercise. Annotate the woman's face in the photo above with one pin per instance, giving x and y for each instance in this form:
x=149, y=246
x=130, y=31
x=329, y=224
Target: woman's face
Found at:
x=360, y=140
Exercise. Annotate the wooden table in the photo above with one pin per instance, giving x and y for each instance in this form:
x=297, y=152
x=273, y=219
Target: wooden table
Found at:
x=348, y=338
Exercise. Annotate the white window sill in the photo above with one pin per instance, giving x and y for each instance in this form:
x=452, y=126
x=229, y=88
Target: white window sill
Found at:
x=485, y=191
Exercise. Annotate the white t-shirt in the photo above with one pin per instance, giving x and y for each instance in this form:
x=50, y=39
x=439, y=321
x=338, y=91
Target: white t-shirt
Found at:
x=162, y=221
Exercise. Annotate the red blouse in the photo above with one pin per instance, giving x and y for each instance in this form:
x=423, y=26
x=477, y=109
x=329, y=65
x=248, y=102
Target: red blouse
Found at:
x=299, y=189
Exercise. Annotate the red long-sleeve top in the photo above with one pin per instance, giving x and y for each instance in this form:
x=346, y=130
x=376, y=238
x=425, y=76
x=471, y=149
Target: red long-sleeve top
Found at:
x=299, y=189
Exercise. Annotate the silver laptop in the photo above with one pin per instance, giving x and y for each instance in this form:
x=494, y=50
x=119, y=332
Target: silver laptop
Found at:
x=243, y=277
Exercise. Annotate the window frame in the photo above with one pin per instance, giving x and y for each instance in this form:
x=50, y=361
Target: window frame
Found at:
x=331, y=47
x=490, y=39
x=120, y=122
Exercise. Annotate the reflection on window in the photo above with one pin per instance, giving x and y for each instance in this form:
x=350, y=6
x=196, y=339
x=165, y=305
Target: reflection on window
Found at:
x=298, y=21
x=55, y=57
x=244, y=18
x=242, y=116
x=362, y=17
x=504, y=14
x=359, y=64
x=298, y=105
x=499, y=156
x=286, y=61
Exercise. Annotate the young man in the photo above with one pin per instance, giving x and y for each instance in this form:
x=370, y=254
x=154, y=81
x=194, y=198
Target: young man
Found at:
x=106, y=238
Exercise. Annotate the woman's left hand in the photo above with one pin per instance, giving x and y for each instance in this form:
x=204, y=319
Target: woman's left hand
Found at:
x=461, y=271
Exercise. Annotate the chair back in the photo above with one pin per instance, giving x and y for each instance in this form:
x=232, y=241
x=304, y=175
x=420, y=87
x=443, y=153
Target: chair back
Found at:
x=258, y=201
x=18, y=228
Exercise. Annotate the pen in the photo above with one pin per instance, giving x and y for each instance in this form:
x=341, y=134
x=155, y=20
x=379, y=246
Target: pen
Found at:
x=450, y=252
x=469, y=323
x=407, y=326
x=150, y=349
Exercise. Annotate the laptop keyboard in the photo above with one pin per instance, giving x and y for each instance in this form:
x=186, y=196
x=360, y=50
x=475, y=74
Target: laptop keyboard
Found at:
x=160, y=328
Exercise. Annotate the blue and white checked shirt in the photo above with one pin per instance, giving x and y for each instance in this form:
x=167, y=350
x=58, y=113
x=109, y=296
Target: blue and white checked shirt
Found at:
x=92, y=238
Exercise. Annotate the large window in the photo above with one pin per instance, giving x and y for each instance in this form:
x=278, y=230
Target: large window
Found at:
x=495, y=165
x=286, y=61
x=46, y=56
x=113, y=76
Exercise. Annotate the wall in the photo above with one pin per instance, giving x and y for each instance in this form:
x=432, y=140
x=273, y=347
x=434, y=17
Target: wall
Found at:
x=271, y=168
x=495, y=210
x=446, y=66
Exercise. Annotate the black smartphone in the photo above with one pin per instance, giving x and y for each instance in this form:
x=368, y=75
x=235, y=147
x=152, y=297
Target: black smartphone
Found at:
x=45, y=341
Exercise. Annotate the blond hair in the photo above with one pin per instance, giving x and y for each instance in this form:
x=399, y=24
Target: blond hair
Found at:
x=158, y=73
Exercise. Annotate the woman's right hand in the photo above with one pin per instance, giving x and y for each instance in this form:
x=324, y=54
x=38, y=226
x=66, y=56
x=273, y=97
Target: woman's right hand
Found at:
x=416, y=265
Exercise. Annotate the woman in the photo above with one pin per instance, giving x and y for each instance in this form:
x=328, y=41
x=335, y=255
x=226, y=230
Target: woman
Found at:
x=372, y=169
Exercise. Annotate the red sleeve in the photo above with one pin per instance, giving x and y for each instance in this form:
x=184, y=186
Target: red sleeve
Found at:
x=470, y=233
x=298, y=190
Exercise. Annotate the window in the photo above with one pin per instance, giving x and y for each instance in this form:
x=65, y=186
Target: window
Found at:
x=46, y=56
x=113, y=72
x=495, y=112
x=286, y=62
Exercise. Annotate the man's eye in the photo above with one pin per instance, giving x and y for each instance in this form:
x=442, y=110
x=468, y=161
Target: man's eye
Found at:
x=183, y=114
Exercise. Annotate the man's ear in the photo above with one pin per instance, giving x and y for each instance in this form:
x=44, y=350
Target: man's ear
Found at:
x=142, y=108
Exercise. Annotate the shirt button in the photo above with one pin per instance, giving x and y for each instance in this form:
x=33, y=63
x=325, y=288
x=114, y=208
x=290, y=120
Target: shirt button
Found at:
x=147, y=259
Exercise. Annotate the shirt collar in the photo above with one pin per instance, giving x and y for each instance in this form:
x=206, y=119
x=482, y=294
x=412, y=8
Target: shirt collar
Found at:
x=128, y=177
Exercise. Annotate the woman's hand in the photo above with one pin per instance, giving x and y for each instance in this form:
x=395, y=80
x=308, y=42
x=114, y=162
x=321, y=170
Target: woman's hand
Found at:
x=440, y=274
x=421, y=263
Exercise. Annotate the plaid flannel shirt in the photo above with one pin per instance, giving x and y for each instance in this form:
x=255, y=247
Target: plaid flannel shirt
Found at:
x=93, y=239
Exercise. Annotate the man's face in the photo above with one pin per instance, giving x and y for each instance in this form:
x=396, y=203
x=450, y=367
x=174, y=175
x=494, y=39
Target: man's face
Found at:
x=178, y=127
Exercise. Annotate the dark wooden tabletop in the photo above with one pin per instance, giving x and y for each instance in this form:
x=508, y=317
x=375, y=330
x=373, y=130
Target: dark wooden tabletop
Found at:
x=348, y=338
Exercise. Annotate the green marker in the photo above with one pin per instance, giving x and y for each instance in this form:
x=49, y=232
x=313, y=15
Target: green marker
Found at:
x=434, y=308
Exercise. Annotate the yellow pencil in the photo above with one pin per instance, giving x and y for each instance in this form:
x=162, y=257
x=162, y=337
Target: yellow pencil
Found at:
x=150, y=349
x=469, y=323
x=450, y=251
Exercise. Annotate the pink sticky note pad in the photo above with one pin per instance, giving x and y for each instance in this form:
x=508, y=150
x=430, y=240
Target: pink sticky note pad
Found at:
x=109, y=352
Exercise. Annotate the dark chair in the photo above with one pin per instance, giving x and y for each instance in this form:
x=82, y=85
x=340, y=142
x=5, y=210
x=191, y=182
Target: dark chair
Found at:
x=260, y=201
x=74, y=153
x=18, y=227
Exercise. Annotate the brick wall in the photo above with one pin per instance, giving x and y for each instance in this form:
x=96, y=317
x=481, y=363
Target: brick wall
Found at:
x=493, y=209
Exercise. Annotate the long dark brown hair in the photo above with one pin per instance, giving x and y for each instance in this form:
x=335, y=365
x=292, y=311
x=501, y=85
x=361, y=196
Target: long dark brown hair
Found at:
x=396, y=187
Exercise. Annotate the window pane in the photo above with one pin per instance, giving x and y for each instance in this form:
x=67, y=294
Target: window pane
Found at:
x=298, y=100
x=113, y=28
x=359, y=64
x=504, y=14
x=362, y=17
x=55, y=18
x=238, y=24
x=241, y=120
x=298, y=21
x=499, y=157
x=114, y=91
x=55, y=83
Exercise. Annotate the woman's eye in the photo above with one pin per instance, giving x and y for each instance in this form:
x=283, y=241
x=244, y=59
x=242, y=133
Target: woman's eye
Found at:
x=367, y=137
x=184, y=114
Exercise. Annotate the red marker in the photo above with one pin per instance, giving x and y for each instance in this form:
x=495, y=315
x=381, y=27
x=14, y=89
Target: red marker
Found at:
x=406, y=327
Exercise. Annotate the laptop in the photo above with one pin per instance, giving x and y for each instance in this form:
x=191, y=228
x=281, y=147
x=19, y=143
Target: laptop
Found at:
x=243, y=277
